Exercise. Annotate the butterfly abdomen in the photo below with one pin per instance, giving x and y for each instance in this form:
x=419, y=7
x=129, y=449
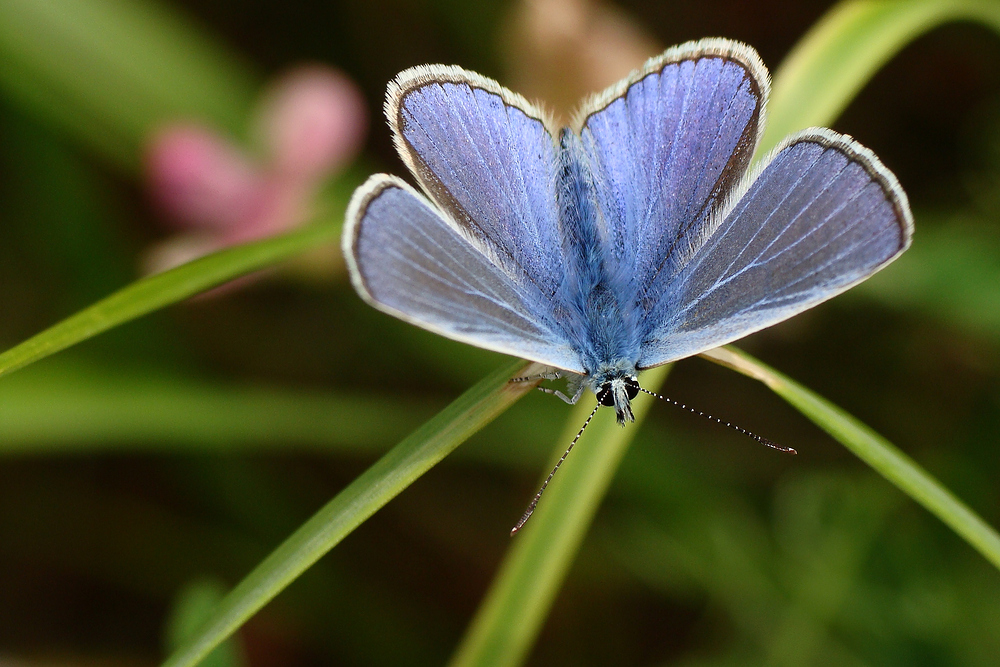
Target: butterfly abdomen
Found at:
x=599, y=322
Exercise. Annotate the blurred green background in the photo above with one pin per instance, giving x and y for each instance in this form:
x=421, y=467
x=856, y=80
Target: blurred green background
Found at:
x=146, y=470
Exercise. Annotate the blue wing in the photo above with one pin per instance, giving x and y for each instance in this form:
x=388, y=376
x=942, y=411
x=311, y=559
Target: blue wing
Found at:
x=822, y=216
x=407, y=259
x=482, y=263
x=486, y=157
x=664, y=147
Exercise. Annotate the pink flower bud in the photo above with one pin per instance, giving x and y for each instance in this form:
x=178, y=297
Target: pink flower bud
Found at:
x=312, y=122
x=200, y=179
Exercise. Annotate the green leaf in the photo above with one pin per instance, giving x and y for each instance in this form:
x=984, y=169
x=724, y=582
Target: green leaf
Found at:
x=512, y=614
x=841, y=53
x=873, y=449
x=382, y=482
x=163, y=289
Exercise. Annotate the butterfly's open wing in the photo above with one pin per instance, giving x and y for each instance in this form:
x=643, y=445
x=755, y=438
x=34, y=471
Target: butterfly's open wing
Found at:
x=486, y=157
x=482, y=262
x=408, y=260
x=823, y=215
x=664, y=147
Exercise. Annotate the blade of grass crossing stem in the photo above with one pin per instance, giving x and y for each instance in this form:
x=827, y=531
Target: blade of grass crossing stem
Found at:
x=194, y=605
x=841, y=53
x=873, y=449
x=510, y=617
x=382, y=482
x=163, y=289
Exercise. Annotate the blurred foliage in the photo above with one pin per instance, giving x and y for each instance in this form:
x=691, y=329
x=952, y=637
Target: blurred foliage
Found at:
x=189, y=444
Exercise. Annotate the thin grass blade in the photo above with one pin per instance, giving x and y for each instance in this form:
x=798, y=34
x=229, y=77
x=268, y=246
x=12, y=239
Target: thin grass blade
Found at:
x=382, y=482
x=65, y=408
x=873, y=449
x=163, y=289
x=841, y=53
x=511, y=616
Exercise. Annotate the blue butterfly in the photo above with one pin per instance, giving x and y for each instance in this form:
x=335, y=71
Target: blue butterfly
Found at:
x=635, y=237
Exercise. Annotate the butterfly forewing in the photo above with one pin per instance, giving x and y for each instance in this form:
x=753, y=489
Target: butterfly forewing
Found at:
x=486, y=157
x=410, y=261
x=666, y=146
x=822, y=215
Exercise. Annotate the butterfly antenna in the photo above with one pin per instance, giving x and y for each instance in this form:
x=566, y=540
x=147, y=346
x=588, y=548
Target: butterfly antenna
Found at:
x=752, y=436
x=534, y=501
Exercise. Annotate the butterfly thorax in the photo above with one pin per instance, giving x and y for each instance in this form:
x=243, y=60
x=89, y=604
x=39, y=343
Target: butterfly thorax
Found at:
x=603, y=333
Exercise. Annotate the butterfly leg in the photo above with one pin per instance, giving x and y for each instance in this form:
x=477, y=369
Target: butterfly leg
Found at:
x=547, y=375
x=573, y=384
x=569, y=399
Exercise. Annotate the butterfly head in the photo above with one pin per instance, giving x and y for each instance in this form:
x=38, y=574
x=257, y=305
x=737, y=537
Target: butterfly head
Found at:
x=618, y=393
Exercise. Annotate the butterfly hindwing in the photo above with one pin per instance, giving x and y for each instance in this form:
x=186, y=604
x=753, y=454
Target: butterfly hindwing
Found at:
x=665, y=146
x=408, y=260
x=822, y=215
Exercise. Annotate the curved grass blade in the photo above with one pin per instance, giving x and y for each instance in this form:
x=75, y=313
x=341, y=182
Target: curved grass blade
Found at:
x=382, y=482
x=873, y=449
x=163, y=289
x=841, y=53
x=511, y=616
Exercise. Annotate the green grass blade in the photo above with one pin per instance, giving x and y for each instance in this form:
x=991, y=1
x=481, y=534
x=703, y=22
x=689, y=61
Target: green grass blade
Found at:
x=841, y=53
x=154, y=292
x=382, y=482
x=512, y=614
x=60, y=407
x=873, y=449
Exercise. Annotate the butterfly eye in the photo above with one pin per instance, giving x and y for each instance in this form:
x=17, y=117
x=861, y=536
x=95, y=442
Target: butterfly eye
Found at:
x=631, y=388
x=605, y=397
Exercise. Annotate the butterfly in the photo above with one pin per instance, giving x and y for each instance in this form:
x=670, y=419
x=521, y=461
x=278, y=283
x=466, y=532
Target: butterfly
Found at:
x=637, y=236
